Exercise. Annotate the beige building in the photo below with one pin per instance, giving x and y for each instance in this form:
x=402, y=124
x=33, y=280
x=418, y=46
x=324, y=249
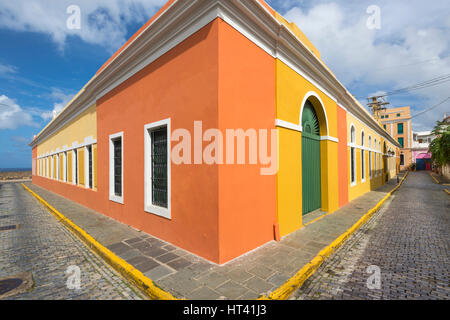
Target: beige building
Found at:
x=397, y=122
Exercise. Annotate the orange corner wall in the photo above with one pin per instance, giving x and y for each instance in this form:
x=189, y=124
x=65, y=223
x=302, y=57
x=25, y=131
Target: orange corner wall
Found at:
x=247, y=200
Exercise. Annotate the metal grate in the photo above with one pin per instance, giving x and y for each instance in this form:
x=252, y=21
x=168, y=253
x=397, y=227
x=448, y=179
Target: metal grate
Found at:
x=159, y=167
x=118, y=167
x=6, y=228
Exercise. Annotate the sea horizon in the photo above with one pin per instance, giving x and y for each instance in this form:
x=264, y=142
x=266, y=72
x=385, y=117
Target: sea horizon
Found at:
x=14, y=169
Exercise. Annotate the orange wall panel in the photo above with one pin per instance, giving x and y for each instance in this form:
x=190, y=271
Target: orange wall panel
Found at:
x=247, y=199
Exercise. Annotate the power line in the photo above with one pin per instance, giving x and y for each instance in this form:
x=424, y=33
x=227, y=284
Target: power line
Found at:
x=421, y=85
x=431, y=108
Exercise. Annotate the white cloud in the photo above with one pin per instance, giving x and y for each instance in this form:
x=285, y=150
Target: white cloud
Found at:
x=12, y=115
x=103, y=22
x=61, y=101
x=7, y=69
x=412, y=46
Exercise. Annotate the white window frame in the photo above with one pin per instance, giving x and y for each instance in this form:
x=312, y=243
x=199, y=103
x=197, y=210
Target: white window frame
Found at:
x=148, y=206
x=74, y=166
x=65, y=166
x=52, y=161
x=86, y=165
x=112, y=196
x=352, y=154
x=363, y=156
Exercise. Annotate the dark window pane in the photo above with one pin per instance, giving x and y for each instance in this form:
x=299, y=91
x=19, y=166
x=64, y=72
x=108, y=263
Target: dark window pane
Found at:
x=159, y=167
x=352, y=164
x=89, y=148
x=118, y=167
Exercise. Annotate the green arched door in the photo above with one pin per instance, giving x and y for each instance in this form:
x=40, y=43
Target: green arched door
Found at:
x=311, y=193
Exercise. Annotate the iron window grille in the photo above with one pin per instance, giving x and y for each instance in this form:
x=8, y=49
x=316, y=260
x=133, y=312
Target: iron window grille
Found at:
x=159, y=172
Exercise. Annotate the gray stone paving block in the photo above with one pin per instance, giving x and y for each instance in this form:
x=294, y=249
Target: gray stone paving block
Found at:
x=147, y=265
x=258, y=285
x=249, y=295
x=278, y=279
x=158, y=272
x=239, y=275
x=261, y=271
x=213, y=279
x=231, y=290
x=133, y=240
x=137, y=260
x=132, y=253
x=167, y=257
x=179, y=264
x=153, y=252
x=142, y=245
x=168, y=247
x=204, y=293
x=119, y=247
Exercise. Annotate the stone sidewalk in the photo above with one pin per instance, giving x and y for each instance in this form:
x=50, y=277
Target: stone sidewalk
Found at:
x=188, y=276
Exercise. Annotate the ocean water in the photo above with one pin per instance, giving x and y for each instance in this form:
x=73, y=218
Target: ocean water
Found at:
x=14, y=169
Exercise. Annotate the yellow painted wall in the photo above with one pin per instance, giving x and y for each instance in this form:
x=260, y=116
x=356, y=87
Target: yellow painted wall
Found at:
x=378, y=176
x=61, y=167
x=291, y=91
x=69, y=167
x=289, y=181
x=81, y=177
x=83, y=126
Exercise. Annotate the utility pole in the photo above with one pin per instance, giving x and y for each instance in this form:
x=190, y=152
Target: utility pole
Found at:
x=377, y=104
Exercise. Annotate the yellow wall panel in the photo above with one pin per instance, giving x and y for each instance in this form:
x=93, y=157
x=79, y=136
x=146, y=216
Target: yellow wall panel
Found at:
x=81, y=178
x=289, y=181
x=69, y=167
x=61, y=167
x=83, y=126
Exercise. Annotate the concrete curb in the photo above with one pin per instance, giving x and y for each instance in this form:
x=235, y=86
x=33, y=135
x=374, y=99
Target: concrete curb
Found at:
x=283, y=292
x=120, y=265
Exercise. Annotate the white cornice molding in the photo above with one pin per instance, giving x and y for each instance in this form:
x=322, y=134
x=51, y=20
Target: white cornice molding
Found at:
x=185, y=17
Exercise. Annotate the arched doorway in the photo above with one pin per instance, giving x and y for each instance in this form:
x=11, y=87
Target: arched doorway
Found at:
x=311, y=173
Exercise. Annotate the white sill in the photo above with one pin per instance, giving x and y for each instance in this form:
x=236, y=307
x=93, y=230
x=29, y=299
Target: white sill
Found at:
x=159, y=211
x=353, y=184
x=115, y=198
x=363, y=180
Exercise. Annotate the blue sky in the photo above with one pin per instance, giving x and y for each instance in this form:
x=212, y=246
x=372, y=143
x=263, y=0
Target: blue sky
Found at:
x=43, y=63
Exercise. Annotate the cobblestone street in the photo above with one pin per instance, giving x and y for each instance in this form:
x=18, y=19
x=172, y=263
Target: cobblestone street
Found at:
x=41, y=245
x=408, y=239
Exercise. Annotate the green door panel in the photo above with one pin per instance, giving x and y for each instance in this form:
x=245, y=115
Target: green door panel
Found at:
x=311, y=192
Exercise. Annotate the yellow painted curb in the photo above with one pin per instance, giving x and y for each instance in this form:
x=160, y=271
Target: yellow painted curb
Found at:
x=435, y=180
x=120, y=265
x=446, y=191
x=283, y=292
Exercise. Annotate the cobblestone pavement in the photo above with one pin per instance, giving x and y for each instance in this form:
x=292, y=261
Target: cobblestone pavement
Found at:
x=408, y=239
x=41, y=245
